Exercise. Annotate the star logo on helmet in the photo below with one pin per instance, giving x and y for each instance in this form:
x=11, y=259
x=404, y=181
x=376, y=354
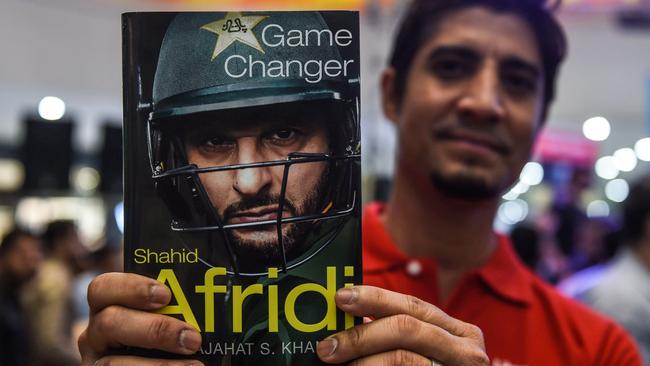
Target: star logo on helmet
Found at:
x=234, y=27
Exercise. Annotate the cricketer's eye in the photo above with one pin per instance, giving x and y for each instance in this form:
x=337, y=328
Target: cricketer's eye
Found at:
x=283, y=136
x=216, y=143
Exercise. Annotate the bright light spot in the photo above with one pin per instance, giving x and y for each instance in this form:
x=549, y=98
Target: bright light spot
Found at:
x=51, y=108
x=86, y=179
x=89, y=213
x=512, y=212
x=596, y=128
x=7, y=222
x=515, y=191
x=12, y=175
x=598, y=208
x=617, y=190
x=520, y=188
x=33, y=213
x=606, y=167
x=642, y=149
x=625, y=159
x=532, y=174
x=511, y=195
x=118, y=212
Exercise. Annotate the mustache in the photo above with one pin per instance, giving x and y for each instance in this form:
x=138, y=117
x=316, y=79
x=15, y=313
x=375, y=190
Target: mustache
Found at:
x=249, y=203
x=478, y=134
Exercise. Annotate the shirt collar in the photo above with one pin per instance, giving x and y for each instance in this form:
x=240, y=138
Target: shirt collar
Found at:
x=503, y=273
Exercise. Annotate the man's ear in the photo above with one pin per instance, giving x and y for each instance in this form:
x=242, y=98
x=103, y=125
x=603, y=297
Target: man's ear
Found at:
x=389, y=99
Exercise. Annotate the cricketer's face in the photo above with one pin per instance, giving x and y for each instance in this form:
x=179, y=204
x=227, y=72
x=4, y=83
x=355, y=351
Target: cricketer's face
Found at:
x=253, y=194
x=472, y=103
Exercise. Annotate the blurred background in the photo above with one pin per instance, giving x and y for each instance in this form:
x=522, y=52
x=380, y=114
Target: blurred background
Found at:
x=61, y=116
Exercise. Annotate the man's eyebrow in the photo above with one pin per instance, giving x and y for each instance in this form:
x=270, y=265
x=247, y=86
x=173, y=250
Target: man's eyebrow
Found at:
x=520, y=64
x=457, y=51
x=514, y=62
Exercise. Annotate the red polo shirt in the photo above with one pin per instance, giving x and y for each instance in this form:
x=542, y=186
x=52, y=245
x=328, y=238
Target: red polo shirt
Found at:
x=524, y=320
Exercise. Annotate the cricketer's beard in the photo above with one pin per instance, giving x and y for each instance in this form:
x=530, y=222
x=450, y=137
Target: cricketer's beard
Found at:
x=253, y=253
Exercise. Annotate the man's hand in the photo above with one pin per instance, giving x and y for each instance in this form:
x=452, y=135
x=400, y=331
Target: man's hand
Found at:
x=120, y=305
x=406, y=331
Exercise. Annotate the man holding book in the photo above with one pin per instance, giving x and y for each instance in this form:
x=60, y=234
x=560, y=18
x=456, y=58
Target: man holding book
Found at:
x=468, y=88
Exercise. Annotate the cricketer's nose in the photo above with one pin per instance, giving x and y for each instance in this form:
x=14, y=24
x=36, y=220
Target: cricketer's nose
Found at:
x=251, y=181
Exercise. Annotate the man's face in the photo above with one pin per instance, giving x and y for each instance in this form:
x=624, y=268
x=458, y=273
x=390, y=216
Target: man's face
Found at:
x=75, y=249
x=23, y=260
x=252, y=194
x=472, y=103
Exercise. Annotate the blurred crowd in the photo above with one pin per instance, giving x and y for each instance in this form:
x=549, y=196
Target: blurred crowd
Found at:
x=602, y=262
x=43, y=282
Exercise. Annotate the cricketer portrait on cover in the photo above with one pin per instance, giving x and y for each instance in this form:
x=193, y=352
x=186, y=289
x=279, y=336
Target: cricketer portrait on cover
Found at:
x=242, y=174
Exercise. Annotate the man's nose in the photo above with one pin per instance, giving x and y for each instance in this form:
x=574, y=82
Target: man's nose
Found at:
x=482, y=99
x=251, y=181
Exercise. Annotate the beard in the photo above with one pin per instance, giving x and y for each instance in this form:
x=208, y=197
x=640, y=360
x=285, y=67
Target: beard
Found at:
x=267, y=251
x=464, y=186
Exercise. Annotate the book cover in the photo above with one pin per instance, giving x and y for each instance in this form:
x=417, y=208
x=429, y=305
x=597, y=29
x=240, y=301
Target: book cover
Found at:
x=242, y=175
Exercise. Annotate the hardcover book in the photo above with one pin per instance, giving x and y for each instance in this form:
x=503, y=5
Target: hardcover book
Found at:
x=242, y=172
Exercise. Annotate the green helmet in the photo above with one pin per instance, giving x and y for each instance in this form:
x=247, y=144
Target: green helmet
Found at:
x=198, y=72
x=215, y=63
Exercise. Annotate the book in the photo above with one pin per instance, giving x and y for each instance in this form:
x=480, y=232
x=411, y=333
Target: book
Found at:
x=242, y=175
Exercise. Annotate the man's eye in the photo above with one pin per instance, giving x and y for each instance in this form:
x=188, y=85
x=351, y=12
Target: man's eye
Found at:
x=216, y=143
x=283, y=134
x=451, y=69
x=520, y=85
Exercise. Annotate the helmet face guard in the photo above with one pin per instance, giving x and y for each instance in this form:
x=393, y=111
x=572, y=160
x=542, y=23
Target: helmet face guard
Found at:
x=178, y=182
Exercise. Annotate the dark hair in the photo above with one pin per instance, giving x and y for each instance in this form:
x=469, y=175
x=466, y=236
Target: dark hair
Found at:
x=423, y=16
x=55, y=230
x=636, y=211
x=11, y=238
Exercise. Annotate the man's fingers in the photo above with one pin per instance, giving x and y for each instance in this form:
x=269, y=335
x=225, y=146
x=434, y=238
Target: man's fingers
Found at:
x=127, y=289
x=117, y=301
x=116, y=326
x=378, y=303
x=139, y=361
x=394, y=333
x=399, y=357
